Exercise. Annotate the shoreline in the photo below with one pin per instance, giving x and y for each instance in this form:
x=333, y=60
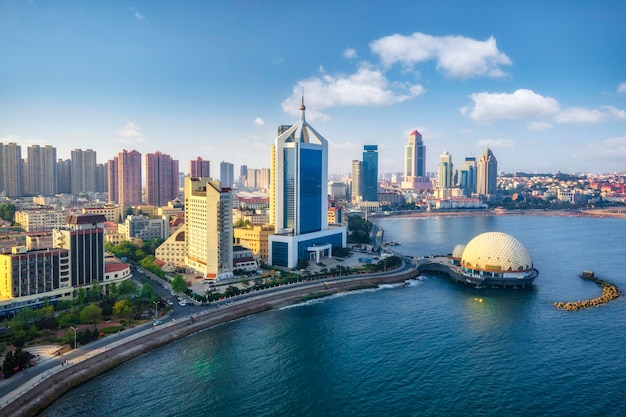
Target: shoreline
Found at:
x=38, y=398
x=603, y=213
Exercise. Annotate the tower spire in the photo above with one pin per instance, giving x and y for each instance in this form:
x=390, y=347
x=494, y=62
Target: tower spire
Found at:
x=302, y=106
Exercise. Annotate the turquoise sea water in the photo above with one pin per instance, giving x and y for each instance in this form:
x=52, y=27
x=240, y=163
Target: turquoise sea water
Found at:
x=425, y=348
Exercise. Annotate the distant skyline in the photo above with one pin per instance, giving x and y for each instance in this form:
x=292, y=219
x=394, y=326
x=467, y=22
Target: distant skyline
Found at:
x=542, y=85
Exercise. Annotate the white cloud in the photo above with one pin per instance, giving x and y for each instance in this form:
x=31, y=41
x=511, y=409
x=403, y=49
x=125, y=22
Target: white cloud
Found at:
x=539, y=126
x=456, y=56
x=137, y=14
x=366, y=87
x=349, y=53
x=259, y=122
x=522, y=104
x=621, y=88
x=129, y=134
x=495, y=143
x=277, y=61
x=586, y=116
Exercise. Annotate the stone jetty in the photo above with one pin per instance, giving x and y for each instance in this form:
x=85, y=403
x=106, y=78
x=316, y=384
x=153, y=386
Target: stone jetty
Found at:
x=609, y=293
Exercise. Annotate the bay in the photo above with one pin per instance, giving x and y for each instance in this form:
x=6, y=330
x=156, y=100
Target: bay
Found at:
x=428, y=347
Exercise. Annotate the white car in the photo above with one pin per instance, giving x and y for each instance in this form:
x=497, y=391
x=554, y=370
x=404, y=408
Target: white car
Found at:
x=182, y=303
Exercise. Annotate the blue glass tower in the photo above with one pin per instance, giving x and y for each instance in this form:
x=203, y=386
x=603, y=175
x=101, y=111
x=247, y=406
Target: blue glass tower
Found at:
x=300, y=179
x=299, y=197
x=369, y=173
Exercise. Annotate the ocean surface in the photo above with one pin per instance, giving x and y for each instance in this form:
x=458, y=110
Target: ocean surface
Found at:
x=427, y=347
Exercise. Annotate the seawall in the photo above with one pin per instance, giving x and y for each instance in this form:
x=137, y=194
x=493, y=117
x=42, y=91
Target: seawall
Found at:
x=45, y=393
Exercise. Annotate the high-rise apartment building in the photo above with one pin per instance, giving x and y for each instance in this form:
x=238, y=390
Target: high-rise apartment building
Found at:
x=12, y=170
x=64, y=176
x=299, y=197
x=243, y=174
x=369, y=173
x=83, y=171
x=415, y=164
x=357, y=180
x=208, y=227
x=112, y=180
x=41, y=173
x=199, y=168
x=258, y=179
x=129, y=178
x=487, y=176
x=102, y=172
x=161, y=179
x=227, y=174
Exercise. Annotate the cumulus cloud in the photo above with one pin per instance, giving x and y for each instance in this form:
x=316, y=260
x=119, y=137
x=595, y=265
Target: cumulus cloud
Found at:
x=456, y=56
x=526, y=104
x=522, y=104
x=349, y=53
x=539, y=126
x=137, y=14
x=621, y=88
x=366, y=87
x=495, y=143
x=259, y=122
x=129, y=134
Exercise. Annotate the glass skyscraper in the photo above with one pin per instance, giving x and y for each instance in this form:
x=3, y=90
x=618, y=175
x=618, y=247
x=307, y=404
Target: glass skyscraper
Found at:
x=299, y=196
x=369, y=173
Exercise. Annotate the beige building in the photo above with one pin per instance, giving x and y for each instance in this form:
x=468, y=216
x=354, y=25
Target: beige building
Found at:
x=173, y=250
x=112, y=212
x=254, y=238
x=209, y=228
x=35, y=220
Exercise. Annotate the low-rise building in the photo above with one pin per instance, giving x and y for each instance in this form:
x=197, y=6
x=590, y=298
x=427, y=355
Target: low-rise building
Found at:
x=255, y=238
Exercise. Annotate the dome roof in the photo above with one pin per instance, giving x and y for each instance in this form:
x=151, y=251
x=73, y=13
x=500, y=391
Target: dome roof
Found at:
x=458, y=251
x=496, y=251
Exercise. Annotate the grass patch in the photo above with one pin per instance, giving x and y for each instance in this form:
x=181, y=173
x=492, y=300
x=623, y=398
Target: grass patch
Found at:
x=112, y=329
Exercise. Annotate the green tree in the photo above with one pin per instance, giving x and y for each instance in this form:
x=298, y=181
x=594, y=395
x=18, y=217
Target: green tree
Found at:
x=94, y=293
x=91, y=314
x=123, y=309
x=179, y=285
x=302, y=264
x=8, y=365
x=148, y=293
x=127, y=288
x=231, y=290
x=7, y=211
x=81, y=296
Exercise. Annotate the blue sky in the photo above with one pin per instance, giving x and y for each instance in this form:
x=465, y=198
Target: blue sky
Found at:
x=543, y=84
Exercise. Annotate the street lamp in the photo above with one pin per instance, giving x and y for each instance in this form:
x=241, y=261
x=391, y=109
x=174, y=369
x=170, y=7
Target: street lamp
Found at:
x=74, y=328
x=156, y=310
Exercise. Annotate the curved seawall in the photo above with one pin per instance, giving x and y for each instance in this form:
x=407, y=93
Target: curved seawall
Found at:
x=45, y=393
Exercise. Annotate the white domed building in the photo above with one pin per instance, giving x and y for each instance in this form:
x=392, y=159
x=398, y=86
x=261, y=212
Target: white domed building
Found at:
x=492, y=259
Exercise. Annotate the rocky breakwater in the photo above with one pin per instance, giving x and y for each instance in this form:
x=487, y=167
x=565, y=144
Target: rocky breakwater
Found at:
x=609, y=293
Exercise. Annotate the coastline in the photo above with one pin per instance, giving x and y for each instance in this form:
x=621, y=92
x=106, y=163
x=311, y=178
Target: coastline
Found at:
x=35, y=400
x=600, y=213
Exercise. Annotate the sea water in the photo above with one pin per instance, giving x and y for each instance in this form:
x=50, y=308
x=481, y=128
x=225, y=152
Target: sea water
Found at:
x=429, y=347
